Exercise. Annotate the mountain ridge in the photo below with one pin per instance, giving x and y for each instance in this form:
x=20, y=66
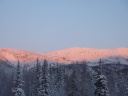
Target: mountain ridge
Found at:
x=68, y=55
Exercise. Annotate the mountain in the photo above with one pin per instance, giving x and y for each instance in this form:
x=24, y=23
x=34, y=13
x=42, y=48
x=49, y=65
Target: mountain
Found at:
x=11, y=56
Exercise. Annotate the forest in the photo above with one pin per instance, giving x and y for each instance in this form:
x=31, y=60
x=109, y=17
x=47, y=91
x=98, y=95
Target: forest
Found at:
x=55, y=79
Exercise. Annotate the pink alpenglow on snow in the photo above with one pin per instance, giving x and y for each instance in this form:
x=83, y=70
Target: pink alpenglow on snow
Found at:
x=62, y=56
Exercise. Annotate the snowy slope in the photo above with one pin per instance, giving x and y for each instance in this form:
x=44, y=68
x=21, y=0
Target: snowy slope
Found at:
x=88, y=54
x=13, y=55
x=66, y=56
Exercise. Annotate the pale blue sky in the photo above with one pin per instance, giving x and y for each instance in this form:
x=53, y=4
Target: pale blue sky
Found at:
x=48, y=25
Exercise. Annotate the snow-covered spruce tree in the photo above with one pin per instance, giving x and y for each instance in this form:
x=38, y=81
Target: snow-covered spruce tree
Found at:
x=50, y=72
x=51, y=80
x=18, y=82
x=56, y=75
x=115, y=82
x=45, y=88
x=61, y=77
x=101, y=83
x=86, y=80
x=59, y=81
x=119, y=88
x=56, y=89
x=126, y=87
x=37, y=80
x=83, y=78
x=75, y=88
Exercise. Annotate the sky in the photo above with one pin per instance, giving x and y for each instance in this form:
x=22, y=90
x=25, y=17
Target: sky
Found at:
x=48, y=25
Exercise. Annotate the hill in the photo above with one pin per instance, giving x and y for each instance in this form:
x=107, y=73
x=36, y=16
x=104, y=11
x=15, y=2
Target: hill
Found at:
x=11, y=56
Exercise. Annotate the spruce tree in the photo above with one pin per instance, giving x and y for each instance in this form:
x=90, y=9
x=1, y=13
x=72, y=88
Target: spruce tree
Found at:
x=101, y=83
x=74, y=89
x=18, y=82
x=59, y=80
x=56, y=75
x=85, y=80
x=37, y=80
x=61, y=77
x=51, y=80
x=126, y=87
x=119, y=81
x=45, y=88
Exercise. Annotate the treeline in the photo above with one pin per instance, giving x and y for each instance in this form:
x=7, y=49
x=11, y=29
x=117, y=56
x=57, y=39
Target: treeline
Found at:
x=76, y=79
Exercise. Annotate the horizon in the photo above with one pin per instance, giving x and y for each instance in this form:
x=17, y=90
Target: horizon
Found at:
x=65, y=48
x=45, y=26
x=66, y=55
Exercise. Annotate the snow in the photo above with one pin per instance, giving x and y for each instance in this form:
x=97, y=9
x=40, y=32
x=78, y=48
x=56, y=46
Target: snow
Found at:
x=66, y=55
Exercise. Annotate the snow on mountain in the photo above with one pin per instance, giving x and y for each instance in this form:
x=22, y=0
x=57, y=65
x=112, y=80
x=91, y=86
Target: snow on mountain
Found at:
x=65, y=56
x=88, y=54
x=13, y=55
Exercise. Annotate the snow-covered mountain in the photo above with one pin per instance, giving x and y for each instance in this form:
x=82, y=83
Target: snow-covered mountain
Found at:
x=11, y=56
